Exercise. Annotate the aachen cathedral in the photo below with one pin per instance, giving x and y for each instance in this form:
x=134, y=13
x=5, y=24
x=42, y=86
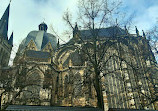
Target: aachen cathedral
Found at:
x=47, y=73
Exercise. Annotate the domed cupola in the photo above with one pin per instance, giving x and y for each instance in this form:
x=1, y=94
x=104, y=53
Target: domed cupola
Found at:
x=43, y=26
x=39, y=40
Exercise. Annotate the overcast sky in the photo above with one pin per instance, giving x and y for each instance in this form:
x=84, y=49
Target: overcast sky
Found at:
x=26, y=15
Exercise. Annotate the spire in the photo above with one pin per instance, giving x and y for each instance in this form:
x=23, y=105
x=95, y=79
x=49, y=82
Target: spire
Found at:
x=10, y=41
x=4, y=23
x=137, y=32
x=144, y=34
x=75, y=30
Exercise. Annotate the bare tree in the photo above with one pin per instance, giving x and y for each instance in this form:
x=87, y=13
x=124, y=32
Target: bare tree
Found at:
x=94, y=15
x=152, y=36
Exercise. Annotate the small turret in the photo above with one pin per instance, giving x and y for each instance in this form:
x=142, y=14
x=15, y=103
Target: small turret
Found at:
x=144, y=34
x=75, y=30
x=43, y=26
x=126, y=31
x=137, y=32
x=58, y=44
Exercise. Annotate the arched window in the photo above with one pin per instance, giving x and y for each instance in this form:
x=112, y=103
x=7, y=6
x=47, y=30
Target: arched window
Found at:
x=34, y=84
x=77, y=85
x=66, y=86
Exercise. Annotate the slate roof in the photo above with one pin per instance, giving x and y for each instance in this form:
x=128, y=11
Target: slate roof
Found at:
x=50, y=108
x=10, y=41
x=37, y=54
x=4, y=23
x=103, y=32
x=40, y=38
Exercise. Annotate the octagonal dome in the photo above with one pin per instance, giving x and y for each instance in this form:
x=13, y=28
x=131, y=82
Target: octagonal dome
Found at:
x=41, y=38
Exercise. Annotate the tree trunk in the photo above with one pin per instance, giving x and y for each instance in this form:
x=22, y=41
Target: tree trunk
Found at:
x=0, y=102
x=98, y=88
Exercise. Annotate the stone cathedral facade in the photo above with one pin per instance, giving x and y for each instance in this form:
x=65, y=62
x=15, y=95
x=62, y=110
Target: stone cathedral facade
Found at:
x=64, y=76
x=48, y=73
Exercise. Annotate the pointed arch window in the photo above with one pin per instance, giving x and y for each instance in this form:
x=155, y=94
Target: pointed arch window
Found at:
x=77, y=85
x=66, y=86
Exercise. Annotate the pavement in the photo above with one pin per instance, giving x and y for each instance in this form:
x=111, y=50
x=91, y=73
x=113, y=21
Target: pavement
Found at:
x=49, y=108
